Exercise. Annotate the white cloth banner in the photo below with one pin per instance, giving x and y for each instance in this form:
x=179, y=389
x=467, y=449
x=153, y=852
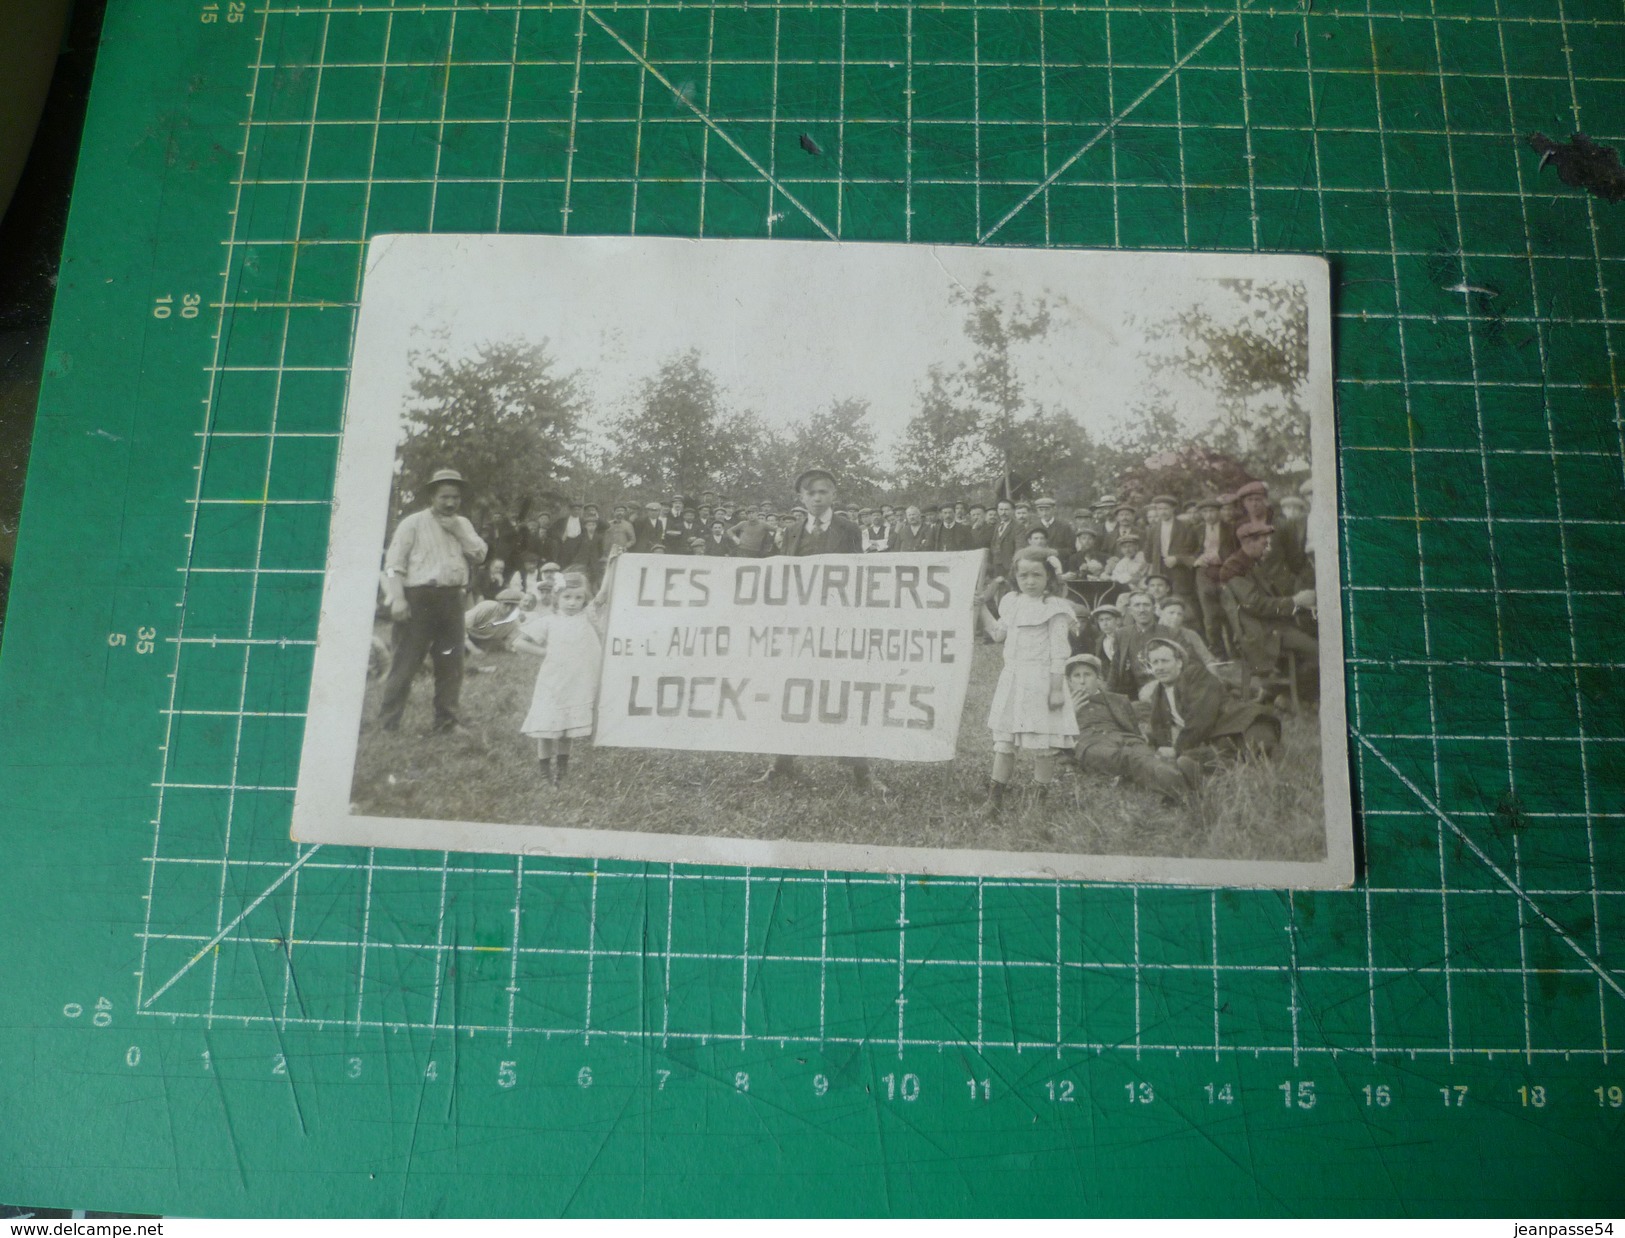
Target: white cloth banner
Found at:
x=825, y=655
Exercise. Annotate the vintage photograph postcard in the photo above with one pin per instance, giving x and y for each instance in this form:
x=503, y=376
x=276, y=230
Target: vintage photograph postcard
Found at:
x=898, y=558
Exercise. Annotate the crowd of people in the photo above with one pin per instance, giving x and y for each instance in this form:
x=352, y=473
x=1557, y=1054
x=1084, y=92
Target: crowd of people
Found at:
x=1150, y=640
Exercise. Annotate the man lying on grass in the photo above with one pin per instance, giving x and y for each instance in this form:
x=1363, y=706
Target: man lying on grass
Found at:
x=1109, y=739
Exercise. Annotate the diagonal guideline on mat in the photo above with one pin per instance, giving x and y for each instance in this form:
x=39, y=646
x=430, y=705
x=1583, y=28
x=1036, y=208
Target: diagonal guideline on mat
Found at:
x=1501, y=875
x=1106, y=129
x=710, y=123
x=227, y=928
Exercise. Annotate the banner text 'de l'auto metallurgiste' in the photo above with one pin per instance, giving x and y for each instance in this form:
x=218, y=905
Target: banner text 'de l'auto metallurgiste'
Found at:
x=828, y=655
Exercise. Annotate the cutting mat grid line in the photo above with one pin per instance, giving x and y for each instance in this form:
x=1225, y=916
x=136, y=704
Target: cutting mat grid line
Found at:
x=1501, y=420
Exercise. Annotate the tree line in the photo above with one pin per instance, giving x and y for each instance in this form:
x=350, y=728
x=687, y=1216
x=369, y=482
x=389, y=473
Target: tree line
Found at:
x=517, y=427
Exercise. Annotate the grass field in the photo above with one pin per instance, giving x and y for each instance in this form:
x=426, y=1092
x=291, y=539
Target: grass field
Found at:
x=488, y=772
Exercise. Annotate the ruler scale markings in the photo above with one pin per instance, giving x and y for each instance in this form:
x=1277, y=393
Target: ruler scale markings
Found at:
x=705, y=133
x=1283, y=970
x=908, y=126
x=1059, y=972
x=1179, y=120
x=572, y=140
x=1417, y=513
x=638, y=126
x=507, y=121
x=366, y=935
x=665, y=992
x=902, y=958
x=823, y=951
x=1614, y=378
x=774, y=67
x=1490, y=515
x=259, y=538
x=1213, y=937
x=744, y=966
x=167, y=747
x=592, y=943
x=1247, y=121
x=513, y=945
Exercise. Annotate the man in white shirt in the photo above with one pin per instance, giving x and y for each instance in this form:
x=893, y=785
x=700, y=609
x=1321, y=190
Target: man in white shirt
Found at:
x=426, y=574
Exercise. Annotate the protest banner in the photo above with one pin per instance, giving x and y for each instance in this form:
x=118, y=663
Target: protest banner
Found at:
x=828, y=655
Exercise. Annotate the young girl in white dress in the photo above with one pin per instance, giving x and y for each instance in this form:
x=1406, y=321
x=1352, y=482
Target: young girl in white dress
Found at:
x=570, y=644
x=1030, y=705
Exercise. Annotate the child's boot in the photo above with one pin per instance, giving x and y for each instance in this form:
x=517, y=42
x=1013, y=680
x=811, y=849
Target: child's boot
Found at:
x=995, y=799
x=561, y=766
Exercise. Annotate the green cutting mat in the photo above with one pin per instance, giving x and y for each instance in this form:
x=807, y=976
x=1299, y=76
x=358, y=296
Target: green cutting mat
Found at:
x=199, y=1017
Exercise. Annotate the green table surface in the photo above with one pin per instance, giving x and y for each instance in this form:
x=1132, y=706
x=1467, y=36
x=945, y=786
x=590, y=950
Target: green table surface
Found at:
x=198, y=1017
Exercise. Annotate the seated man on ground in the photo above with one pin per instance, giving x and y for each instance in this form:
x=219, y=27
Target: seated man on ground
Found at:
x=1193, y=716
x=1109, y=740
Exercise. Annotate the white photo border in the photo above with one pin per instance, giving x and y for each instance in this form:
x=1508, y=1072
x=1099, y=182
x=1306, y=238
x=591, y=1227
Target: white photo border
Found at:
x=322, y=805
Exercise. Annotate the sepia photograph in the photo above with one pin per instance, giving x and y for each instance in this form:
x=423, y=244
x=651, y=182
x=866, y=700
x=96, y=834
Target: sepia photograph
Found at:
x=946, y=560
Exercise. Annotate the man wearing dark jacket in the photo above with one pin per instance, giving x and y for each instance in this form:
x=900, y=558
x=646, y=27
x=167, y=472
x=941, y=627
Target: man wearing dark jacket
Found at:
x=1266, y=611
x=914, y=533
x=1005, y=539
x=1171, y=546
x=823, y=532
x=951, y=534
x=1193, y=716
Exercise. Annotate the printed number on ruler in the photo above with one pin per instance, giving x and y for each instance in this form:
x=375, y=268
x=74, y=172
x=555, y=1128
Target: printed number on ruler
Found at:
x=209, y=14
x=102, y=1015
x=1612, y=1098
x=908, y=1087
x=163, y=306
x=144, y=638
x=1304, y=1095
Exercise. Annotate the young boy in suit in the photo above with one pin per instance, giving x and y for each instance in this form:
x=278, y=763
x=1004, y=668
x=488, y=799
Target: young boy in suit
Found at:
x=823, y=532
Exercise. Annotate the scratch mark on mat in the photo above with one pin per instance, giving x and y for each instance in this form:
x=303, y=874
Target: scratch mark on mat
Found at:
x=1584, y=164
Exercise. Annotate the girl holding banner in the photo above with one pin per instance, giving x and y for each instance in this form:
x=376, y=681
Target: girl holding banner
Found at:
x=1030, y=708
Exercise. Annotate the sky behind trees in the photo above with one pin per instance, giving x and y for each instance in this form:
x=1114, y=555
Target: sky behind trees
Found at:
x=905, y=367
